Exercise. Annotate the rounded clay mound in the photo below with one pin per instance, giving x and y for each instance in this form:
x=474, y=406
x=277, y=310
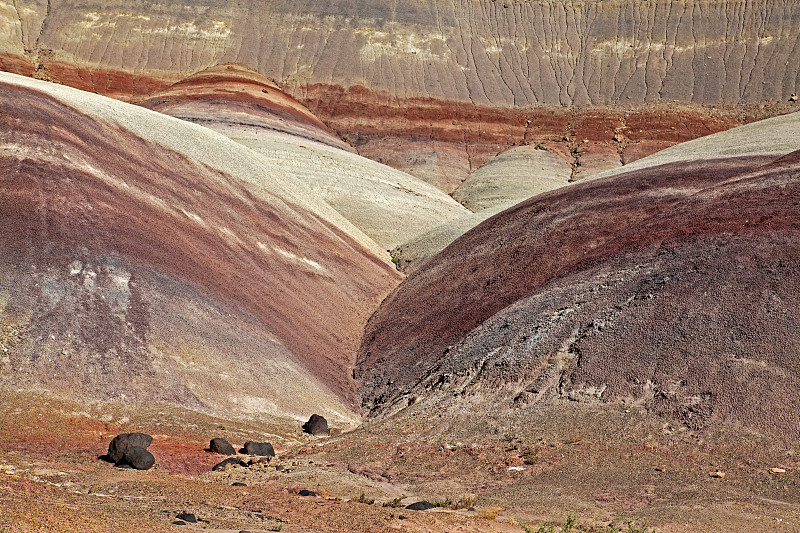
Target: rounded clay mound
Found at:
x=673, y=285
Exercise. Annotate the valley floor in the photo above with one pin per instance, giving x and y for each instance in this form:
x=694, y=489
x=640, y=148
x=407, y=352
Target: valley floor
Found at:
x=533, y=470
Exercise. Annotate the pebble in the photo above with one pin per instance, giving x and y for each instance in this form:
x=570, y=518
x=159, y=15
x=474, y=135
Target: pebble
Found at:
x=717, y=474
x=777, y=470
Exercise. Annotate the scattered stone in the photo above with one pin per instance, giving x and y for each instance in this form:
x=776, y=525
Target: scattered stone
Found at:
x=305, y=492
x=220, y=445
x=793, y=98
x=660, y=469
x=179, y=523
x=263, y=449
x=420, y=506
x=125, y=441
x=238, y=484
x=230, y=462
x=402, y=517
x=316, y=425
x=777, y=470
x=138, y=458
x=187, y=517
x=717, y=474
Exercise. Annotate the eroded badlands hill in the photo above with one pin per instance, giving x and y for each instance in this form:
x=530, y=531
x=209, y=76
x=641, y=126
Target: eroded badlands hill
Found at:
x=144, y=258
x=436, y=88
x=244, y=106
x=672, y=285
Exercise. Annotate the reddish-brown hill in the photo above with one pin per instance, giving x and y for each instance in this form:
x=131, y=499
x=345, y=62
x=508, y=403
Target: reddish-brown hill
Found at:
x=137, y=267
x=238, y=96
x=673, y=285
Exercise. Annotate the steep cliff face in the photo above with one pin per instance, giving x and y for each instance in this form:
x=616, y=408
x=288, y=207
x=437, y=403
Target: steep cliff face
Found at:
x=358, y=64
x=494, y=52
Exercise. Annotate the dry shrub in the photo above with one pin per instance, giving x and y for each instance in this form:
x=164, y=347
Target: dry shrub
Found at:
x=489, y=513
x=464, y=502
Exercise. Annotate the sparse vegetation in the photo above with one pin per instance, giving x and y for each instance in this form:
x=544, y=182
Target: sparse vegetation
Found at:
x=489, y=513
x=571, y=522
x=571, y=525
x=529, y=455
x=278, y=527
x=463, y=502
x=395, y=502
x=363, y=499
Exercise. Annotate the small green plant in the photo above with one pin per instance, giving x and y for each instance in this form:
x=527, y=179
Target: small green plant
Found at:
x=528, y=529
x=395, y=260
x=546, y=528
x=570, y=523
x=363, y=499
x=636, y=528
x=278, y=527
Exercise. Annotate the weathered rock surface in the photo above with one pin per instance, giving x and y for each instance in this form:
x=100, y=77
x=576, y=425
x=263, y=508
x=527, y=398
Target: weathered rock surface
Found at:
x=487, y=52
x=672, y=285
x=261, y=449
x=380, y=64
x=316, y=425
x=244, y=106
x=138, y=458
x=513, y=176
x=120, y=445
x=220, y=445
x=147, y=258
x=225, y=464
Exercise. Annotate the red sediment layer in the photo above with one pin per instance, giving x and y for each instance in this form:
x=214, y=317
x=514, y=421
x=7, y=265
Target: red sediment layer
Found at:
x=129, y=200
x=114, y=83
x=233, y=94
x=16, y=65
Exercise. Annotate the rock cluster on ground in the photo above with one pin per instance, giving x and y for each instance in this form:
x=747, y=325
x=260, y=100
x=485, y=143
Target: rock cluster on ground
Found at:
x=130, y=450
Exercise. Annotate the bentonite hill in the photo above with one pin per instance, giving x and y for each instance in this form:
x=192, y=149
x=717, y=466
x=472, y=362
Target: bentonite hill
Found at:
x=532, y=265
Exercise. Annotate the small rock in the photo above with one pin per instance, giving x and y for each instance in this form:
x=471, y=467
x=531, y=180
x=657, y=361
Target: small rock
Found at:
x=138, y=458
x=420, y=506
x=227, y=463
x=125, y=441
x=316, y=425
x=402, y=517
x=179, y=523
x=305, y=492
x=777, y=470
x=238, y=484
x=187, y=517
x=220, y=445
x=793, y=98
x=717, y=474
x=263, y=449
x=660, y=469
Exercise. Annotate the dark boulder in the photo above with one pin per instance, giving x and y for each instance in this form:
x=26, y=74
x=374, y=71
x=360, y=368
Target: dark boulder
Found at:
x=187, y=517
x=420, y=506
x=124, y=442
x=263, y=449
x=138, y=458
x=305, y=492
x=222, y=446
x=238, y=484
x=316, y=425
x=232, y=461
